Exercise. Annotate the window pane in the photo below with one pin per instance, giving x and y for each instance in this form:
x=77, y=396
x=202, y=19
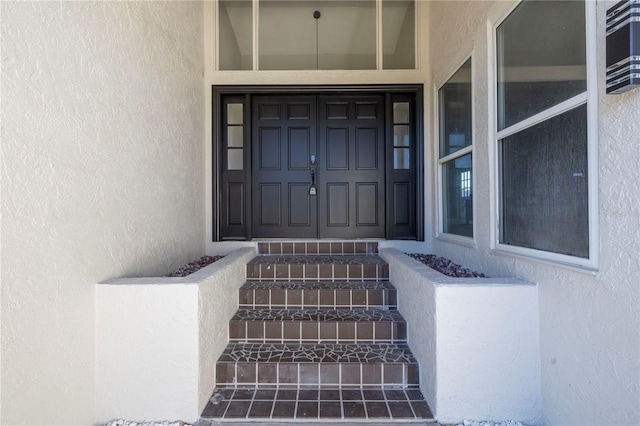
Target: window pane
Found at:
x=234, y=159
x=457, y=197
x=236, y=35
x=455, y=111
x=541, y=58
x=398, y=34
x=544, y=186
x=234, y=114
x=342, y=38
x=401, y=136
x=234, y=136
x=401, y=112
x=401, y=158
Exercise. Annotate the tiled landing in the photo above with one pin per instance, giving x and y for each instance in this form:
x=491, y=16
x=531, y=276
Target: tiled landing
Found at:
x=350, y=404
x=317, y=338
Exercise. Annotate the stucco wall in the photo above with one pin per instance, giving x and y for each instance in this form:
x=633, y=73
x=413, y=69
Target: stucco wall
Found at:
x=589, y=324
x=158, y=340
x=102, y=141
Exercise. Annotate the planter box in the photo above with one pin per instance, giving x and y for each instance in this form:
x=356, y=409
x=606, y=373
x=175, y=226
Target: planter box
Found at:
x=476, y=340
x=158, y=339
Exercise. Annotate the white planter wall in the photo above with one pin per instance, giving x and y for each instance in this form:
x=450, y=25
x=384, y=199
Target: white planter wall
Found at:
x=476, y=340
x=158, y=339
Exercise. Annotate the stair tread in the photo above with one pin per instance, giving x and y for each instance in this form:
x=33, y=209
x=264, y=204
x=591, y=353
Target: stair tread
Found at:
x=315, y=315
x=339, y=404
x=318, y=260
x=317, y=285
x=395, y=353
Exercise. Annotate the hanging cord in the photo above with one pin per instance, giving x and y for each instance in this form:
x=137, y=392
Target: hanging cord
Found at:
x=317, y=15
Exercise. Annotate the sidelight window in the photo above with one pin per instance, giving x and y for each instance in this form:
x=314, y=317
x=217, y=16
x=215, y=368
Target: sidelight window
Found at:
x=455, y=163
x=235, y=136
x=401, y=136
x=543, y=132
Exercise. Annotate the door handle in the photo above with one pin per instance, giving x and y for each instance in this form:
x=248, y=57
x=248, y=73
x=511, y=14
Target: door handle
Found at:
x=312, y=189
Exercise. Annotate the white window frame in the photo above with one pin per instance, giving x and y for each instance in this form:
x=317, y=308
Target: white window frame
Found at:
x=590, y=98
x=440, y=162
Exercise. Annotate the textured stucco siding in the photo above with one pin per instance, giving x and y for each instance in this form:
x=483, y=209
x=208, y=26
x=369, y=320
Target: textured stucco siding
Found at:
x=146, y=352
x=102, y=144
x=218, y=302
x=590, y=344
x=417, y=304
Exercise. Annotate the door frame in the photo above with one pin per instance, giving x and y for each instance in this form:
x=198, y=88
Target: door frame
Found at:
x=244, y=93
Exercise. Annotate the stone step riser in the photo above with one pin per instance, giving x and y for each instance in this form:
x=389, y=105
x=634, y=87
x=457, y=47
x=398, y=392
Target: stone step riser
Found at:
x=313, y=248
x=317, y=332
x=317, y=299
x=318, y=374
x=317, y=272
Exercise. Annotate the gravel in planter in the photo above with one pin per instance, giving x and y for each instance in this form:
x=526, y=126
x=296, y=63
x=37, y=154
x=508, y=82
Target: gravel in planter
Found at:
x=194, y=266
x=445, y=266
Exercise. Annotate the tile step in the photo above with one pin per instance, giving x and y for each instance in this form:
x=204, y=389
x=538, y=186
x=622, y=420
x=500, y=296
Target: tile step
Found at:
x=243, y=364
x=340, y=405
x=310, y=248
x=318, y=268
x=317, y=294
x=318, y=325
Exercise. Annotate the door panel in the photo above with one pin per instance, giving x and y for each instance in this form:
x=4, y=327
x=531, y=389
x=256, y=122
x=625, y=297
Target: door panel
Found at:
x=366, y=202
x=337, y=204
x=401, y=204
x=270, y=204
x=284, y=129
x=337, y=148
x=366, y=152
x=269, y=148
x=235, y=203
x=299, y=205
x=299, y=142
x=351, y=175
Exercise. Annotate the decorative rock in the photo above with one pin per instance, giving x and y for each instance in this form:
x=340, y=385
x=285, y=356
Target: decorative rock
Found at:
x=194, y=266
x=121, y=422
x=445, y=266
x=487, y=423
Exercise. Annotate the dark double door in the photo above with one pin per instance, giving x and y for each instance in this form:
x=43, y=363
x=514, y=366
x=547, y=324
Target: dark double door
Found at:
x=318, y=166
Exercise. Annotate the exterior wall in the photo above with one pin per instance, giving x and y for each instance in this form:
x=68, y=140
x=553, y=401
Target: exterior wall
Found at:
x=102, y=120
x=158, y=339
x=590, y=345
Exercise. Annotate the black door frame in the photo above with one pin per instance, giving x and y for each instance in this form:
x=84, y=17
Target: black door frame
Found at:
x=244, y=94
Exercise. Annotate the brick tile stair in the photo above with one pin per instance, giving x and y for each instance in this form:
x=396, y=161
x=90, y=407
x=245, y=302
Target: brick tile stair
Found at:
x=317, y=338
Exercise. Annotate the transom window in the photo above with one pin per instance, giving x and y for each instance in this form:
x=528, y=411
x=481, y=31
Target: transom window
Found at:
x=316, y=34
x=542, y=132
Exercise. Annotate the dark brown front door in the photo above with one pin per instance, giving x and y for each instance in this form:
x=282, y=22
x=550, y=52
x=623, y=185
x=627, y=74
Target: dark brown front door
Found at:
x=318, y=167
x=283, y=140
x=351, y=176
